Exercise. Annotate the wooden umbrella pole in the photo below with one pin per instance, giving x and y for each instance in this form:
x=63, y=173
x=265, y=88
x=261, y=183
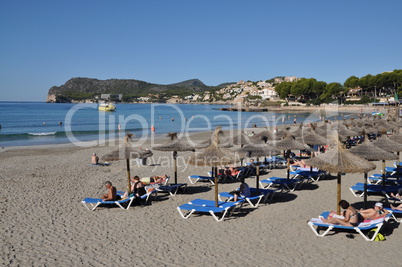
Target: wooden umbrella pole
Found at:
x=338, y=208
x=383, y=173
x=365, y=191
x=128, y=176
x=258, y=179
x=216, y=186
x=175, y=170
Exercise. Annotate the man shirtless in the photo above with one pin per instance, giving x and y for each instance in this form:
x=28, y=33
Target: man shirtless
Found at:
x=111, y=192
x=374, y=213
x=95, y=159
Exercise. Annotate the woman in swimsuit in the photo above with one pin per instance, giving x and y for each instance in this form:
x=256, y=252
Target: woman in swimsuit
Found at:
x=350, y=215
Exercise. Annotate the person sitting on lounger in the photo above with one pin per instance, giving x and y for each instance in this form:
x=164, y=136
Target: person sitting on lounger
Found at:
x=350, y=215
x=374, y=213
x=111, y=192
x=244, y=190
x=138, y=190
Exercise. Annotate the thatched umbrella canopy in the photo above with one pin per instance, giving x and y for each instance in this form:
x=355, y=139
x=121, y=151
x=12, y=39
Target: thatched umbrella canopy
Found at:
x=258, y=150
x=289, y=142
x=344, y=132
x=175, y=145
x=298, y=131
x=386, y=144
x=339, y=160
x=240, y=139
x=282, y=133
x=127, y=152
x=368, y=151
x=223, y=141
x=264, y=135
x=214, y=156
x=396, y=137
x=313, y=139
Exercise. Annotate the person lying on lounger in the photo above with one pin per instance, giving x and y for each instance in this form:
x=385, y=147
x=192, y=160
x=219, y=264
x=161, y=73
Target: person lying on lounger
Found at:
x=158, y=179
x=111, y=192
x=350, y=215
x=374, y=213
x=244, y=190
x=300, y=163
x=399, y=207
x=397, y=195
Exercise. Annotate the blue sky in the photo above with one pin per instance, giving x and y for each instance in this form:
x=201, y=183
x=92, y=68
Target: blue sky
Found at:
x=45, y=43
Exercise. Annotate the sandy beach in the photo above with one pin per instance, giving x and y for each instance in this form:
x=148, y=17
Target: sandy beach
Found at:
x=43, y=222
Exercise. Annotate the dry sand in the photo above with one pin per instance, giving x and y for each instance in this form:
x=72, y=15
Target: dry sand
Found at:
x=43, y=222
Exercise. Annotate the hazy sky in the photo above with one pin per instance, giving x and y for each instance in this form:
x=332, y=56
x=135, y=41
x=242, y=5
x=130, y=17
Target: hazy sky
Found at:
x=45, y=43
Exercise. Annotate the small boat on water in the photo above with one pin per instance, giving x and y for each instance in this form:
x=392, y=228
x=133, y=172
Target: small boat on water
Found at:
x=106, y=107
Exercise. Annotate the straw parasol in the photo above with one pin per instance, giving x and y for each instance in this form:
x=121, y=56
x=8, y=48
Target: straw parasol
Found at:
x=240, y=139
x=312, y=138
x=298, y=131
x=258, y=150
x=127, y=152
x=223, y=141
x=289, y=143
x=386, y=144
x=175, y=145
x=214, y=156
x=368, y=151
x=339, y=160
x=264, y=135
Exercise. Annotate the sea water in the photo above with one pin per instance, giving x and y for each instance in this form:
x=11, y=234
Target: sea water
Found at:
x=38, y=123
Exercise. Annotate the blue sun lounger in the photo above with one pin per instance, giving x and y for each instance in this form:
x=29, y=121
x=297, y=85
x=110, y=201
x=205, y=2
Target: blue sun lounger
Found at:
x=258, y=198
x=195, y=178
x=289, y=184
x=307, y=174
x=151, y=191
x=93, y=203
x=393, y=213
x=364, y=226
x=172, y=188
x=358, y=189
x=208, y=206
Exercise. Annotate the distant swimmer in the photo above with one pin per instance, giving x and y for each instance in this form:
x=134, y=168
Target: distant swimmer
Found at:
x=119, y=127
x=44, y=123
x=160, y=117
x=60, y=123
x=153, y=129
x=172, y=119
